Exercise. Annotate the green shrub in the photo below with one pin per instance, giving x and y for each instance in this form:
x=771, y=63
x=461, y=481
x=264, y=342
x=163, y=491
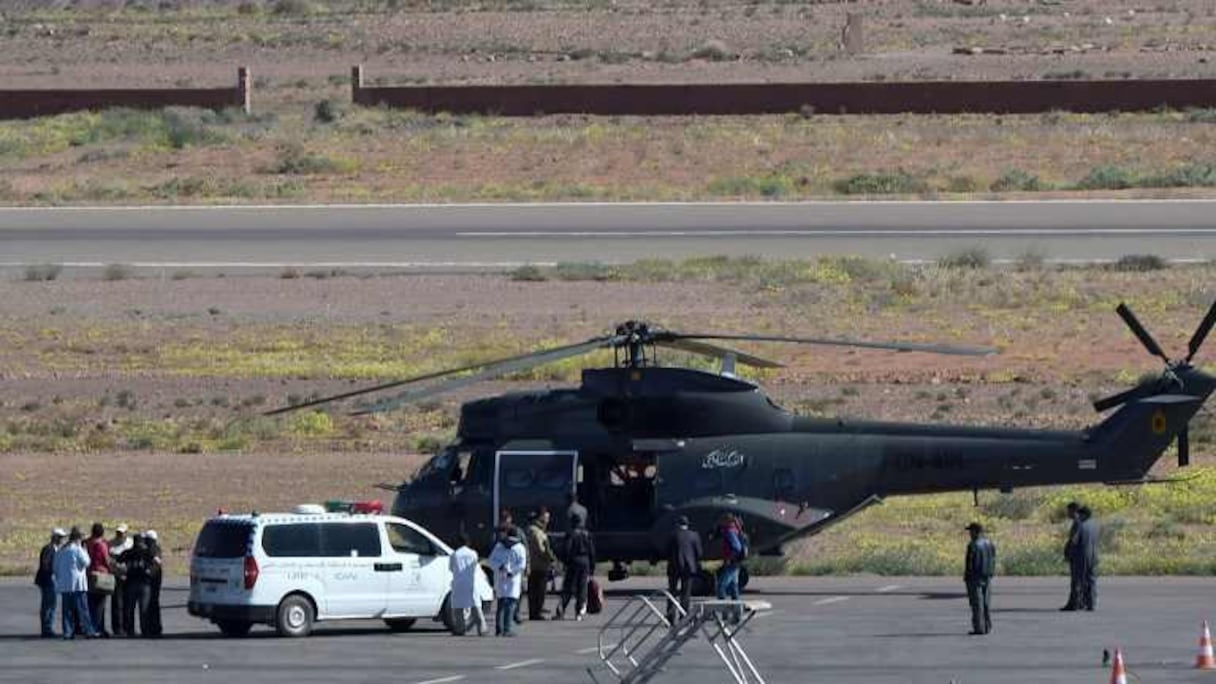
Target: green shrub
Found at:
x=1140, y=263
x=582, y=270
x=1108, y=177
x=961, y=184
x=968, y=257
x=528, y=274
x=42, y=272
x=897, y=183
x=295, y=160
x=328, y=111
x=1017, y=180
x=771, y=185
x=714, y=51
x=293, y=7
x=1188, y=176
x=113, y=272
x=312, y=424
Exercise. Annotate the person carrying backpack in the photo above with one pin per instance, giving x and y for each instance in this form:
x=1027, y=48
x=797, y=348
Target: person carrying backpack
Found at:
x=579, y=559
x=734, y=550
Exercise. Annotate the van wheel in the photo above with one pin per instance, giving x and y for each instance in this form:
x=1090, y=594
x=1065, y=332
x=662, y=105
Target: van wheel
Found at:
x=234, y=628
x=400, y=624
x=294, y=617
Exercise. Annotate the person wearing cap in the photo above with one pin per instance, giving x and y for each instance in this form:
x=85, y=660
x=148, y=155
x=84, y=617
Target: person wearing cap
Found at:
x=684, y=553
x=979, y=567
x=155, y=627
x=119, y=544
x=72, y=583
x=1071, y=557
x=44, y=579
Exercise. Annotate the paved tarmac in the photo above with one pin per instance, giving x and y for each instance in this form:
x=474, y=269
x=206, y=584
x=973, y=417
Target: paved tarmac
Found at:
x=464, y=237
x=820, y=630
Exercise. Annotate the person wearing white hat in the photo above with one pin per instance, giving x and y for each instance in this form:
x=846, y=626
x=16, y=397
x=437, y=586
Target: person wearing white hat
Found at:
x=155, y=628
x=119, y=544
x=45, y=580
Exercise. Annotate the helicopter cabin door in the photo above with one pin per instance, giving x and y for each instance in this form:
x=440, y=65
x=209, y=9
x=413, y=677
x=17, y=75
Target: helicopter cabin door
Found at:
x=525, y=480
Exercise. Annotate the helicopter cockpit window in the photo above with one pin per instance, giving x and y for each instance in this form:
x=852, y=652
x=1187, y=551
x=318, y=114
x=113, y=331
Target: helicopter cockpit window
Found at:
x=440, y=462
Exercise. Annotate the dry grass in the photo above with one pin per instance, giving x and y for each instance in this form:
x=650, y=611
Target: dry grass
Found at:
x=383, y=155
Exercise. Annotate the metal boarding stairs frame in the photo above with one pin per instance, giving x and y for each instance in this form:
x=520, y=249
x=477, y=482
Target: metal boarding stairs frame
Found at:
x=649, y=630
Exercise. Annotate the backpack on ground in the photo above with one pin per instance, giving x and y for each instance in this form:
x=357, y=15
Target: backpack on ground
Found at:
x=595, y=597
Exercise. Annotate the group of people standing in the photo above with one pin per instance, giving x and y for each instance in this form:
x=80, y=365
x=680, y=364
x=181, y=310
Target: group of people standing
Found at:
x=1080, y=551
x=520, y=555
x=87, y=573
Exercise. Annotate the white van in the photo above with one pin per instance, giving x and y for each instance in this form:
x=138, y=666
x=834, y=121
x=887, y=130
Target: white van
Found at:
x=290, y=570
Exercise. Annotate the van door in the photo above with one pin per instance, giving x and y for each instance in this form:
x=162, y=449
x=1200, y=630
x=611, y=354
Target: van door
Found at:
x=417, y=571
x=526, y=480
x=354, y=583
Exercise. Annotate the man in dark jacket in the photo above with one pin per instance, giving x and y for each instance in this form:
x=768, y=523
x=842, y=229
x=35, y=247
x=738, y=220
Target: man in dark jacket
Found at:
x=1087, y=560
x=684, y=554
x=979, y=566
x=139, y=563
x=579, y=558
x=45, y=581
x=155, y=627
x=1070, y=556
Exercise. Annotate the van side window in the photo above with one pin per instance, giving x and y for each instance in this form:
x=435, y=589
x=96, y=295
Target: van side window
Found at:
x=405, y=539
x=292, y=541
x=344, y=540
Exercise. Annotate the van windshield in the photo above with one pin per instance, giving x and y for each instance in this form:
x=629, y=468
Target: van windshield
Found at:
x=220, y=539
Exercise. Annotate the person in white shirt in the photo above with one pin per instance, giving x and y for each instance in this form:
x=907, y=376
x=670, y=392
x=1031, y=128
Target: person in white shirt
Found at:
x=72, y=584
x=509, y=560
x=469, y=588
x=119, y=544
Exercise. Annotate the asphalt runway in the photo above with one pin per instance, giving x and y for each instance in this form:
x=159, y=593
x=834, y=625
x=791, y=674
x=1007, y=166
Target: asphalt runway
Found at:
x=820, y=630
x=469, y=237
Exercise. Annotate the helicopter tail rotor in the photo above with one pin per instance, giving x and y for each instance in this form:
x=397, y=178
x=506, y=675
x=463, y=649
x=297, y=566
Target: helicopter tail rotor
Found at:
x=1168, y=378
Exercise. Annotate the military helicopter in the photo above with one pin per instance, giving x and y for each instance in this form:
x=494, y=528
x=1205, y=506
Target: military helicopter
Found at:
x=640, y=444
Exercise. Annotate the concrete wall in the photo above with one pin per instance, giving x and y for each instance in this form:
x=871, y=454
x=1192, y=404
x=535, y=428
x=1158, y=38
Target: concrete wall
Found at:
x=24, y=104
x=942, y=97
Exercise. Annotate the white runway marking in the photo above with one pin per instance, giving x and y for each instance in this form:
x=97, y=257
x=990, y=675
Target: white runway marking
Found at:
x=830, y=599
x=443, y=680
x=889, y=587
x=593, y=649
x=832, y=232
x=522, y=663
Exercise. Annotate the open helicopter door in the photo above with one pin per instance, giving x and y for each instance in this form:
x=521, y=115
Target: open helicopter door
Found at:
x=526, y=479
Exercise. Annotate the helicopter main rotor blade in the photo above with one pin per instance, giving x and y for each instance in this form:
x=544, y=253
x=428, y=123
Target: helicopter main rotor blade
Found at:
x=511, y=363
x=1201, y=333
x=716, y=352
x=841, y=342
x=489, y=370
x=1138, y=330
x=1144, y=389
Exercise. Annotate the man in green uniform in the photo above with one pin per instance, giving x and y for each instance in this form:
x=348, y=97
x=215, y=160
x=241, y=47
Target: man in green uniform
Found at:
x=979, y=567
x=540, y=561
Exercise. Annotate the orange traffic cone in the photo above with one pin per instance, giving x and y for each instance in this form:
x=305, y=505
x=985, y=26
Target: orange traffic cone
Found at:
x=1118, y=675
x=1205, y=661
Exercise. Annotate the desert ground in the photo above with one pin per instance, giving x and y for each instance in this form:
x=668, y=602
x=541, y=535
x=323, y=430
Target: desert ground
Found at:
x=136, y=399
x=304, y=143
